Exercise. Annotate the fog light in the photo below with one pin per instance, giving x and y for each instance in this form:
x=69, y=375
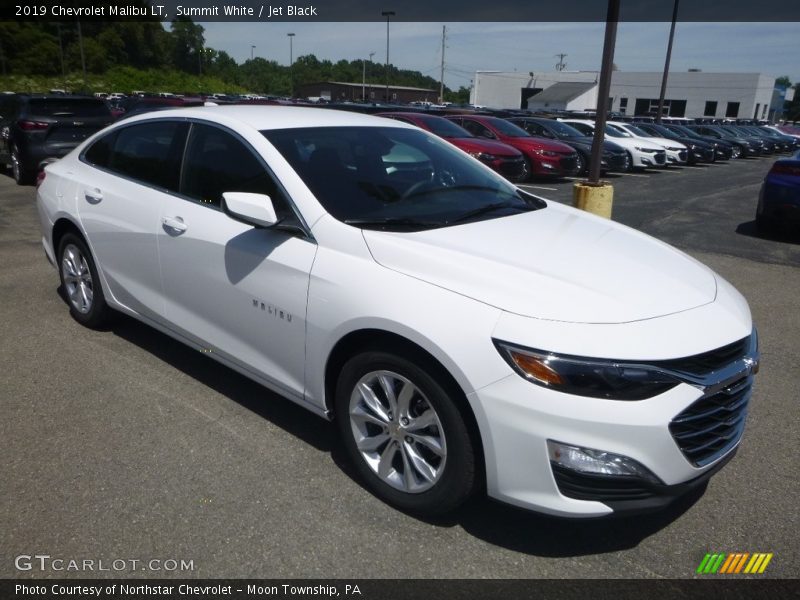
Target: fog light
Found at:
x=597, y=462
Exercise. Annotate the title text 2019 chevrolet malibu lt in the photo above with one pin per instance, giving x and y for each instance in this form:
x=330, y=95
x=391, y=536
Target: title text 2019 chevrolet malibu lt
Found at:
x=463, y=334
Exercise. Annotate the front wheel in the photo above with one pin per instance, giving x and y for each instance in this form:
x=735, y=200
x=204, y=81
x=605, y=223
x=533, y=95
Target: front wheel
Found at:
x=404, y=433
x=582, y=165
x=736, y=152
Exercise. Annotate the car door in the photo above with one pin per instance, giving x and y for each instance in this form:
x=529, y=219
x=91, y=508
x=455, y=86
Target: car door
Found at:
x=122, y=180
x=239, y=290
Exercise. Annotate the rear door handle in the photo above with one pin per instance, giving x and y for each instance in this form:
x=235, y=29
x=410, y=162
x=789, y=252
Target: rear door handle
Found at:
x=174, y=223
x=94, y=196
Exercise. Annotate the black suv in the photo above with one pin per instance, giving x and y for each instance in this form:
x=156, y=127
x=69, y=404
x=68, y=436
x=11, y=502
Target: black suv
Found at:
x=34, y=128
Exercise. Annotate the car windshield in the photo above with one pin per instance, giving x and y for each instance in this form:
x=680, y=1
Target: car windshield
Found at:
x=393, y=178
x=636, y=131
x=507, y=128
x=684, y=130
x=616, y=132
x=444, y=128
x=662, y=131
x=564, y=131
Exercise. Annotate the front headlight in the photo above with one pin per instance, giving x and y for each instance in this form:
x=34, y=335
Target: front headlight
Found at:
x=548, y=153
x=596, y=378
x=674, y=148
x=482, y=155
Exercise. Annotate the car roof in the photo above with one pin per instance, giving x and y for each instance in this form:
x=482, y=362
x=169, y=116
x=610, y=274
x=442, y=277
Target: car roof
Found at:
x=261, y=117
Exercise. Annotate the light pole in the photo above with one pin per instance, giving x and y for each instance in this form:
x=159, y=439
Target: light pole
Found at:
x=666, y=62
x=252, y=50
x=388, y=14
x=291, y=62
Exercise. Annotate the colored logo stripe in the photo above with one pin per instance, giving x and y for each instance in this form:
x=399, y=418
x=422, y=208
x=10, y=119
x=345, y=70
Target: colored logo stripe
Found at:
x=736, y=562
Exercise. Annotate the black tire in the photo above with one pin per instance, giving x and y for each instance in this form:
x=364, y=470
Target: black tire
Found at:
x=629, y=164
x=456, y=479
x=582, y=165
x=97, y=313
x=21, y=172
x=736, y=151
x=527, y=170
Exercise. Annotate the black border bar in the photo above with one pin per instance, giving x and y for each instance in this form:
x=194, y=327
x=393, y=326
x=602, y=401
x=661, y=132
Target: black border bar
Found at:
x=440, y=11
x=703, y=588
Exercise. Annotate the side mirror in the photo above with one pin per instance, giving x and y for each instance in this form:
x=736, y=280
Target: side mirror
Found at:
x=251, y=209
x=489, y=135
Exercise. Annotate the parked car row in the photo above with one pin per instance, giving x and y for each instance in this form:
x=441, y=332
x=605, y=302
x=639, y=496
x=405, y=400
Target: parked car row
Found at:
x=36, y=129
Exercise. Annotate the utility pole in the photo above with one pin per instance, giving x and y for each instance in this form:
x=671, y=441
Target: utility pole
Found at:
x=363, y=79
x=388, y=14
x=561, y=64
x=666, y=63
x=252, y=51
x=83, y=58
x=61, y=54
x=291, y=63
x=609, y=43
x=441, y=75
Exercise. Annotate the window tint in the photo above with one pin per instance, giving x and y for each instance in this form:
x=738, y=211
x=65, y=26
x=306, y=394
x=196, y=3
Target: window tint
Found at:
x=99, y=152
x=476, y=128
x=218, y=162
x=149, y=152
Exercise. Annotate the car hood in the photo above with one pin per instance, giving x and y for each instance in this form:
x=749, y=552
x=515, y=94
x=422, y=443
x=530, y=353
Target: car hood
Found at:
x=537, y=143
x=488, y=146
x=556, y=263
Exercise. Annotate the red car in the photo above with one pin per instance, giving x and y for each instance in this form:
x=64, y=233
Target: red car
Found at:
x=501, y=157
x=542, y=157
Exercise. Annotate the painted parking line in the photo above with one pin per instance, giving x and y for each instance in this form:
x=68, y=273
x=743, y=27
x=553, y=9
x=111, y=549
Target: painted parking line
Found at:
x=538, y=187
x=634, y=175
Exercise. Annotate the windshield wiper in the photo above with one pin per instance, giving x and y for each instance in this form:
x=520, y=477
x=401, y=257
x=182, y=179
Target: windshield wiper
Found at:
x=487, y=209
x=393, y=222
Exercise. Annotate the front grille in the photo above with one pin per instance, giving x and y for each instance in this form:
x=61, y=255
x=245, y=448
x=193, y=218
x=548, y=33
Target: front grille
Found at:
x=682, y=155
x=711, y=426
x=660, y=157
x=511, y=167
x=601, y=488
x=569, y=163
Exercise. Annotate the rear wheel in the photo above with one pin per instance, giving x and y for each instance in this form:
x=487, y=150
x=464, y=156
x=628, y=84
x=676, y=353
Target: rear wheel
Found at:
x=628, y=162
x=20, y=171
x=404, y=433
x=80, y=283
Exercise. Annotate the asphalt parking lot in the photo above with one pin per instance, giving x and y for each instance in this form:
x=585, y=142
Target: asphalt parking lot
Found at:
x=124, y=444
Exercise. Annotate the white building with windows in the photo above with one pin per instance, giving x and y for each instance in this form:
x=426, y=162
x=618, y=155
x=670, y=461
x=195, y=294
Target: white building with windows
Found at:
x=688, y=94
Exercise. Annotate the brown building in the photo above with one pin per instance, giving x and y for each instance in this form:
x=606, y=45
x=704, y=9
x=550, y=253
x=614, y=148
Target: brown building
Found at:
x=339, y=91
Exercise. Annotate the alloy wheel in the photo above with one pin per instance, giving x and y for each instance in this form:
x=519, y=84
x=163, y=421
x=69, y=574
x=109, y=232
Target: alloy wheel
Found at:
x=77, y=279
x=397, y=431
x=16, y=171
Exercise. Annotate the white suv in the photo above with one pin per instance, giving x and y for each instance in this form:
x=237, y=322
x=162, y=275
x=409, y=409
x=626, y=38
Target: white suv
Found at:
x=462, y=332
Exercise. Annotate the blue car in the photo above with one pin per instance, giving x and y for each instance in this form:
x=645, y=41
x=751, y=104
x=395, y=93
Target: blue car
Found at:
x=779, y=199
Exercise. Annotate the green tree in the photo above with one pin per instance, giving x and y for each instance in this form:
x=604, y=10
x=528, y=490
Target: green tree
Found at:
x=188, y=44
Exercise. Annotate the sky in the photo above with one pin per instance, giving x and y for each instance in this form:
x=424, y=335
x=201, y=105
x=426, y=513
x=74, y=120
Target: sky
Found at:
x=769, y=48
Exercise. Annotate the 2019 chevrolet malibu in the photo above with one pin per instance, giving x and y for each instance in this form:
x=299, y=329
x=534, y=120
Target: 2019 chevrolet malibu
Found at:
x=463, y=334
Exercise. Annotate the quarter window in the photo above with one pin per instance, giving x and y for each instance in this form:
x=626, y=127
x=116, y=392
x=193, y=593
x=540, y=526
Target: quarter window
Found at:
x=147, y=152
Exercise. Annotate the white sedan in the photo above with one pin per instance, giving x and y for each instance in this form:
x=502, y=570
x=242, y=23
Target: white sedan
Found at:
x=464, y=334
x=677, y=153
x=641, y=153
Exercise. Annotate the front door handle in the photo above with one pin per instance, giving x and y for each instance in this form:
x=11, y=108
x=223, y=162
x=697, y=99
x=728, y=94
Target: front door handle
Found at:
x=94, y=196
x=174, y=223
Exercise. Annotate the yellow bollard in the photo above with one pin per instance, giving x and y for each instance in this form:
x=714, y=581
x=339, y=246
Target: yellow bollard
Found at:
x=595, y=198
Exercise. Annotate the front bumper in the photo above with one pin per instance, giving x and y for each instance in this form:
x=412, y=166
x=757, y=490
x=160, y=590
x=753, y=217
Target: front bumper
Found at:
x=681, y=436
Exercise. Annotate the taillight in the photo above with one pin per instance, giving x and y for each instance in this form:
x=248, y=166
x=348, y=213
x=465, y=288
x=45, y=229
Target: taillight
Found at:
x=40, y=178
x=785, y=169
x=27, y=125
